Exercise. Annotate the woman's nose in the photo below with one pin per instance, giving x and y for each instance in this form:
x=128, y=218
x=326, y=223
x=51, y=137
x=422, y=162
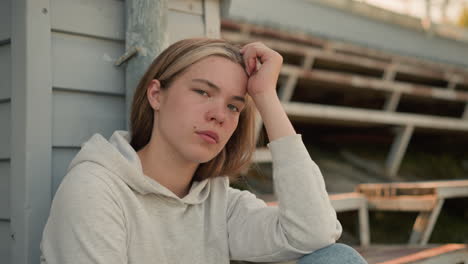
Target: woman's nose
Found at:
x=217, y=114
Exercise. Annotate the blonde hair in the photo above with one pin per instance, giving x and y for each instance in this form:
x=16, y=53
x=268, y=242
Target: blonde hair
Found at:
x=237, y=153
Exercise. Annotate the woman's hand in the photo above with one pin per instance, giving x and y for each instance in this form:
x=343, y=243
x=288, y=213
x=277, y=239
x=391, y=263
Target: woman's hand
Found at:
x=262, y=79
x=262, y=88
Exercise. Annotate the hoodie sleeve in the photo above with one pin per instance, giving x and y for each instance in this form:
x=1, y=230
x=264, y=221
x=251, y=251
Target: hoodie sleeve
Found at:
x=304, y=220
x=85, y=225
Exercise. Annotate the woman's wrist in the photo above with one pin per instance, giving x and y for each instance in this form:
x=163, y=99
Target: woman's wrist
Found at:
x=275, y=119
x=264, y=99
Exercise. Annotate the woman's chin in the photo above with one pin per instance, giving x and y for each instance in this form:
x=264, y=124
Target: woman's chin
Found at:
x=202, y=160
x=201, y=156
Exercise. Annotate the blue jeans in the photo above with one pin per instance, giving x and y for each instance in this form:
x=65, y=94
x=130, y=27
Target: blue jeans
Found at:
x=334, y=254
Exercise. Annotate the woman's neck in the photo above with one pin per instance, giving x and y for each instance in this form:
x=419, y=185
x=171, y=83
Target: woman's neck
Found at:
x=161, y=163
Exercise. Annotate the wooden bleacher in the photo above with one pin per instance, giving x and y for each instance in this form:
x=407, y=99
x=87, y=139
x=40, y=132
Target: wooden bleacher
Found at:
x=430, y=254
x=326, y=81
x=424, y=197
x=427, y=198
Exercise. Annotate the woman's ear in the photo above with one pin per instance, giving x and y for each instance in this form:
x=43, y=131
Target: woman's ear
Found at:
x=153, y=93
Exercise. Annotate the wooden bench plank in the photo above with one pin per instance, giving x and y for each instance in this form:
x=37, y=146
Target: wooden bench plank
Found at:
x=418, y=184
x=312, y=112
x=427, y=254
x=405, y=254
x=360, y=82
x=380, y=253
x=444, y=189
x=403, y=203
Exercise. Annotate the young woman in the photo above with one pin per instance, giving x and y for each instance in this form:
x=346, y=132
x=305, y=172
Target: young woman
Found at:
x=160, y=193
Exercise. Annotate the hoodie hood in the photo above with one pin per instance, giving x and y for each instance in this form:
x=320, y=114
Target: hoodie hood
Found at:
x=118, y=157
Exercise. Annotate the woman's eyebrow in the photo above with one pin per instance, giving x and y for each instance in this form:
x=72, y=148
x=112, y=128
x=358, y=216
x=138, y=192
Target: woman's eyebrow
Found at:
x=215, y=87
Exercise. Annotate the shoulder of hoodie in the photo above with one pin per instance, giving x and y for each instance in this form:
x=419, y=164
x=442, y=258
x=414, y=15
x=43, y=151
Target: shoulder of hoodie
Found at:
x=88, y=180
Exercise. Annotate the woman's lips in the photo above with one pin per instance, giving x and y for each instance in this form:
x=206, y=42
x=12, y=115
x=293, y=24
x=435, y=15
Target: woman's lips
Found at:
x=209, y=136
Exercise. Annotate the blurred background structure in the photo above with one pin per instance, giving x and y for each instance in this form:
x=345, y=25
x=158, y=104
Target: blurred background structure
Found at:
x=379, y=90
x=437, y=11
x=374, y=94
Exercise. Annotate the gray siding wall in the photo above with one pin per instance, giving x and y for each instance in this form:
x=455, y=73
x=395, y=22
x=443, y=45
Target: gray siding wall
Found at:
x=88, y=90
x=185, y=19
x=314, y=18
x=5, y=125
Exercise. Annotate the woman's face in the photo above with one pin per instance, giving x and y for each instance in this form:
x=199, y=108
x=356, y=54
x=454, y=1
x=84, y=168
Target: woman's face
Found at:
x=199, y=112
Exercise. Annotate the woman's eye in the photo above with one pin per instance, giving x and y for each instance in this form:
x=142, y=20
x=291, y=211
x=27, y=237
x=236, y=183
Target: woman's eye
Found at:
x=233, y=108
x=201, y=92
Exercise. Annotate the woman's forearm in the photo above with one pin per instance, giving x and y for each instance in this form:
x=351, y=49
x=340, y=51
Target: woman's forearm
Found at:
x=262, y=87
x=274, y=117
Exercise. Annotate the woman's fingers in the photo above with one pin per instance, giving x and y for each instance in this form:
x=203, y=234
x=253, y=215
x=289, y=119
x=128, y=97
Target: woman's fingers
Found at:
x=253, y=65
x=251, y=52
x=263, y=66
x=249, y=58
x=260, y=49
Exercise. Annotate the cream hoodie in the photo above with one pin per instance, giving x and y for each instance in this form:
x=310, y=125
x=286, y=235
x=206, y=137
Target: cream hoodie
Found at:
x=107, y=211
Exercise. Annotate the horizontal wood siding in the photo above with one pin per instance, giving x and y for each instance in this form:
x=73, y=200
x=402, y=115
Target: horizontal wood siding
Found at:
x=187, y=6
x=4, y=190
x=61, y=158
x=88, y=93
x=103, y=18
x=5, y=127
x=5, y=242
x=87, y=64
x=77, y=116
x=5, y=19
x=5, y=72
x=184, y=25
